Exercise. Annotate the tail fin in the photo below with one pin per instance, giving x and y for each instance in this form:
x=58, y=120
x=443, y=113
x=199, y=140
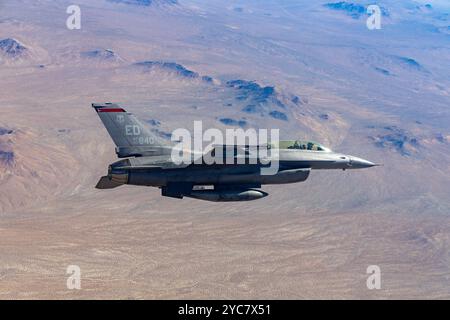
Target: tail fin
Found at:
x=131, y=136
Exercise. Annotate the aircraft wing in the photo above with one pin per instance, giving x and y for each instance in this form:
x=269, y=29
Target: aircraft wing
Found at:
x=162, y=162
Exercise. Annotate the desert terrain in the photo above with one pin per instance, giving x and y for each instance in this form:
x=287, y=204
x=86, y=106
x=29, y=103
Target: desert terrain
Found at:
x=311, y=68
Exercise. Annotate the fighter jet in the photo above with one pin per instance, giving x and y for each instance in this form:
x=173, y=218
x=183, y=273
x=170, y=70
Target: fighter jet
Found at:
x=148, y=162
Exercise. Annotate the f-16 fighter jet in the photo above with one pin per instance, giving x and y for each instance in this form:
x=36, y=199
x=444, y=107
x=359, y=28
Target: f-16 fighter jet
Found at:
x=149, y=161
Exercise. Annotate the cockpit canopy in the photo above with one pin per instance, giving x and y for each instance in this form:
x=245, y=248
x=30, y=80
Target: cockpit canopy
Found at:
x=300, y=145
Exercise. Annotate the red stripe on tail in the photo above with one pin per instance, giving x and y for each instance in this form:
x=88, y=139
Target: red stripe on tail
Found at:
x=111, y=110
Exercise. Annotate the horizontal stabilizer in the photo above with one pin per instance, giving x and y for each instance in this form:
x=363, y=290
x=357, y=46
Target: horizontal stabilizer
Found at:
x=105, y=183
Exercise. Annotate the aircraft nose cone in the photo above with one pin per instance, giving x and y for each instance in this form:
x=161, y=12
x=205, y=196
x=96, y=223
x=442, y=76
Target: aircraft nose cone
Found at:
x=358, y=163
